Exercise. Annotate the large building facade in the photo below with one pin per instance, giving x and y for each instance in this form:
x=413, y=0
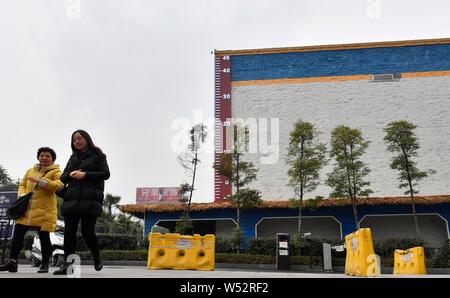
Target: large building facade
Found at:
x=363, y=86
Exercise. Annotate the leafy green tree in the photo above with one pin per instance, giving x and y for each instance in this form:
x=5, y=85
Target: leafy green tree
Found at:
x=237, y=237
x=6, y=183
x=305, y=158
x=125, y=224
x=401, y=140
x=240, y=174
x=190, y=161
x=348, y=176
x=117, y=223
x=109, y=202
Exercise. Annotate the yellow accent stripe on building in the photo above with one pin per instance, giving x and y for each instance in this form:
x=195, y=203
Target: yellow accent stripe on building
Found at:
x=406, y=75
x=351, y=46
x=301, y=80
x=424, y=74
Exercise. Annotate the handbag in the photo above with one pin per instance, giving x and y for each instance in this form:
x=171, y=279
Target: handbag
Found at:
x=61, y=192
x=18, y=208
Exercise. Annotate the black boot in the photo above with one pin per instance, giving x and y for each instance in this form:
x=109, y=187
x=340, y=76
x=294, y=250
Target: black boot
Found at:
x=43, y=268
x=11, y=266
x=62, y=270
x=98, y=263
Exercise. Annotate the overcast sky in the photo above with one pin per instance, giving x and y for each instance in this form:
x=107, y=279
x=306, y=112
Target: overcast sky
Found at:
x=126, y=70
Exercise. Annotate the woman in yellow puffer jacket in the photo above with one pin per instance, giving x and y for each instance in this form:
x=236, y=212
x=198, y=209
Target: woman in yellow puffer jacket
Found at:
x=41, y=213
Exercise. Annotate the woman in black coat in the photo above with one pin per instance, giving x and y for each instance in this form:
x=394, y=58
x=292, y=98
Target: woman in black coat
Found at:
x=84, y=176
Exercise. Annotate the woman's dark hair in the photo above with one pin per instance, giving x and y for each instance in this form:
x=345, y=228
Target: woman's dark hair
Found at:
x=48, y=150
x=89, y=141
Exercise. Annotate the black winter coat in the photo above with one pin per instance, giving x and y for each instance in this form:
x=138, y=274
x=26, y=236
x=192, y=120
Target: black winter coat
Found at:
x=85, y=196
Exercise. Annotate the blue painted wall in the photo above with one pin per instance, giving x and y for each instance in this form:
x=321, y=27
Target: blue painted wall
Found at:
x=341, y=62
x=153, y=218
x=250, y=217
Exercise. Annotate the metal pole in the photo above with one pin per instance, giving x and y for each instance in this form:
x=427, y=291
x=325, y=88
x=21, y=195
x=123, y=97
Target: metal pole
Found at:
x=310, y=254
x=5, y=240
x=1, y=234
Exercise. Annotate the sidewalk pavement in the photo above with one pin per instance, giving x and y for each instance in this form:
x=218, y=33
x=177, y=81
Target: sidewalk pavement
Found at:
x=126, y=271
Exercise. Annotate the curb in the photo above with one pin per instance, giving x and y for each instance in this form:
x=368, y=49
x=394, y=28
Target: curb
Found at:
x=268, y=267
x=262, y=267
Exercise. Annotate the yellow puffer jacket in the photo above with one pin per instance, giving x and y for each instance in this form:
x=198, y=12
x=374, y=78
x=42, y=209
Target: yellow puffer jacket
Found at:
x=41, y=211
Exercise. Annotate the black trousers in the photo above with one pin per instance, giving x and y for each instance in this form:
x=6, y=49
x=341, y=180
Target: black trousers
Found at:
x=87, y=231
x=17, y=243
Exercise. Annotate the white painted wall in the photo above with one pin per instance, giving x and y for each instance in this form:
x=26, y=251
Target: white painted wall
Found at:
x=360, y=104
x=319, y=227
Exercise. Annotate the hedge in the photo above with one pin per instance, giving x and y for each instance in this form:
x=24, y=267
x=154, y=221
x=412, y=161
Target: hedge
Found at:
x=115, y=242
x=105, y=242
x=117, y=255
x=267, y=246
x=256, y=250
x=386, y=248
x=443, y=257
x=142, y=255
x=254, y=246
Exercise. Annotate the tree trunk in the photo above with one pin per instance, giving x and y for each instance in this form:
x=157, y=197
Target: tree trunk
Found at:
x=411, y=192
x=355, y=195
x=237, y=188
x=300, y=211
x=192, y=185
x=351, y=192
x=416, y=221
x=238, y=210
x=355, y=213
x=300, y=206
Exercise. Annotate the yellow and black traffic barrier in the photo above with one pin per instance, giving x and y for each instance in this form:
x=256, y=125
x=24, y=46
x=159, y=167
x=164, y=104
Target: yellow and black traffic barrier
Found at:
x=410, y=261
x=175, y=251
x=361, y=259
